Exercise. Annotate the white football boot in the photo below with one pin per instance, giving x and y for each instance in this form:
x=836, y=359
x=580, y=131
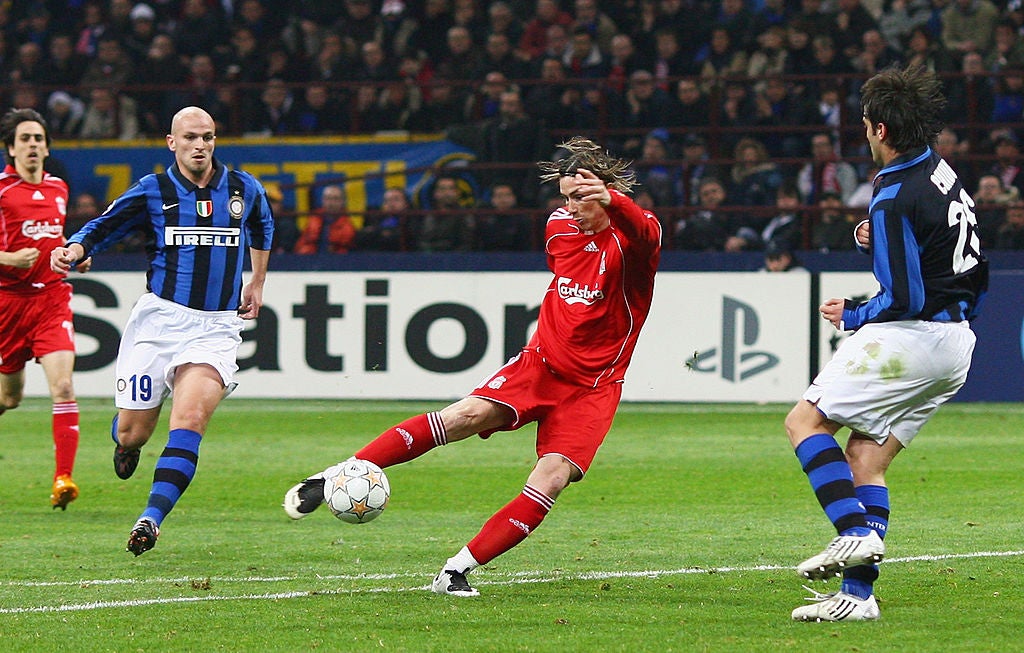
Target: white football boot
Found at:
x=838, y=606
x=453, y=583
x=843, y=551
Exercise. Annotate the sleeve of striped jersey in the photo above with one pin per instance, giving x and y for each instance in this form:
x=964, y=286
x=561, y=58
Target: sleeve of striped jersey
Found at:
x=125, y=214
x=260, y=221
x=897, y=266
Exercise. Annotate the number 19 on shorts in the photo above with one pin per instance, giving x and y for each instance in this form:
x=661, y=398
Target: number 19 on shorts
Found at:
x=139, y=387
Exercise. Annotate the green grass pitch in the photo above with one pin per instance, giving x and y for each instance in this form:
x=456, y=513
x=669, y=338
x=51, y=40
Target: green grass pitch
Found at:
x=682, y=538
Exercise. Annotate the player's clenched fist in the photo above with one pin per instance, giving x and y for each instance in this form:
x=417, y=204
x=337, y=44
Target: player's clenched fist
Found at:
x=862, y=234
x=62, y=258
x=23, y=258
x=591, y=188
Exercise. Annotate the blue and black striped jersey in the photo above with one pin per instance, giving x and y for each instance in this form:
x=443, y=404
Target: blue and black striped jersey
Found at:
x=196, y=237
x=925, y=248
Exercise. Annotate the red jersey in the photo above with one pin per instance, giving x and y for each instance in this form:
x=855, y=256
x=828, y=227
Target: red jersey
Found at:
x=31, y=215
x=601, y=292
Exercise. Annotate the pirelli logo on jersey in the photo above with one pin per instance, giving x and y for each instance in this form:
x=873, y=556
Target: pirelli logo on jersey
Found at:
x=202, y=236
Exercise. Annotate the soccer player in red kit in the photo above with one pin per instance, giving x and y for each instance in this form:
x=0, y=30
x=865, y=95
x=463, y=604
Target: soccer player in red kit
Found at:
x=35, y=309
x=603, y=250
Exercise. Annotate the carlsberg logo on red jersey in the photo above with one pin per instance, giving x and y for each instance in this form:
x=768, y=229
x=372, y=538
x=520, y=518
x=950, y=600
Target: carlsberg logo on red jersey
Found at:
x=573, y=293
x=35, y=230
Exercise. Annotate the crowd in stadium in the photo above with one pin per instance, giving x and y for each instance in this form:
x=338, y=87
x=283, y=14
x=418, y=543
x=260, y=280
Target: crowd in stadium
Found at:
x=726, y=103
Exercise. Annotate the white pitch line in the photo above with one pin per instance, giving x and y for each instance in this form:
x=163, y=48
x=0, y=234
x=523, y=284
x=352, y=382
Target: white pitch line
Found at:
x=519, y=578
x=188, y=579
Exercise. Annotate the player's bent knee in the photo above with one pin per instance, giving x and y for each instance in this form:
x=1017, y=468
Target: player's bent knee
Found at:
x=553, y=474
x=135, y=428
x=472, y=415
x=803, y=420
x=869, y=460
x=133, y=438
x=63, y=391
x=793, y=421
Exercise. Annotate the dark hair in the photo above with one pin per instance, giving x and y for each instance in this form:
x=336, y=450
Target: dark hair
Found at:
x=910, y=104
x=583, y=29
x=708, y=180
x=9, y=124
x=788, y=188
x=923, y=31
x=776, y=248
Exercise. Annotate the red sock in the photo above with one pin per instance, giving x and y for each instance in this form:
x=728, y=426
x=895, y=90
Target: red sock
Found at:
x=510, y=525
x=403, y=442
x=65, y=436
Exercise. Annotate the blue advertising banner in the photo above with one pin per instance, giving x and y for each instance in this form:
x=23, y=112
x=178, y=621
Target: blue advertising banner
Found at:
x=366, y=166
x=997, y=371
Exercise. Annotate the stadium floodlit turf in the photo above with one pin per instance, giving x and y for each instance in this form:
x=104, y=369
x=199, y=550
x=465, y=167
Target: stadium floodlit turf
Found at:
x=683, y=537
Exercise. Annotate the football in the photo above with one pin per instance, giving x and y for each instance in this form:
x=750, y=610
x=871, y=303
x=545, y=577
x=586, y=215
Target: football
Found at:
x=356, y=491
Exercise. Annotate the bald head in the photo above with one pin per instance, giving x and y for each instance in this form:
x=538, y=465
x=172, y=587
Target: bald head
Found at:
x=193, y=113
x=192, y=139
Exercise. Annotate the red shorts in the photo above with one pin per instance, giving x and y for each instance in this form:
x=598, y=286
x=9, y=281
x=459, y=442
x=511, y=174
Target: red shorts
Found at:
x=572, y=420
x=34, y=325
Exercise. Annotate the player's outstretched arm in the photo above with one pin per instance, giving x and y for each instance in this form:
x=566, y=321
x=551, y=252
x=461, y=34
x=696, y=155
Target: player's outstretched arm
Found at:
x=638, y=224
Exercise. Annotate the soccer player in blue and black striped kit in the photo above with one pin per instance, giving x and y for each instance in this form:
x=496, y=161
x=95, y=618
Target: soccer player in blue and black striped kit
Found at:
x=183, y=334
x=912, y=343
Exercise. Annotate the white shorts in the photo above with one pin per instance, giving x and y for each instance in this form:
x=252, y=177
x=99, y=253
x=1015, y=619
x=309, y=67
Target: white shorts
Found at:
x=160, y=336
x=890, y=377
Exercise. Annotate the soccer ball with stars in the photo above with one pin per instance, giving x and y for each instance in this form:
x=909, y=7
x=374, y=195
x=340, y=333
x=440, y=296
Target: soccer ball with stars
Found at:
x=356, y=491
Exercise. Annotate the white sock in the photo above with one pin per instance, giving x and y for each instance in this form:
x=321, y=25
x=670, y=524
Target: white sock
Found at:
x=462, y=562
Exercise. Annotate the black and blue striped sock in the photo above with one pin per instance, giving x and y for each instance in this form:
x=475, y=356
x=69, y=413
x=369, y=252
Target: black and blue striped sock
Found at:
x=826, y=467
x=174, y=471
x=860, y=580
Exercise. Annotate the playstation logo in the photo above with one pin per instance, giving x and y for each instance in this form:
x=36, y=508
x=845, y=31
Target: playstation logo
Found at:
x=734, y=361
